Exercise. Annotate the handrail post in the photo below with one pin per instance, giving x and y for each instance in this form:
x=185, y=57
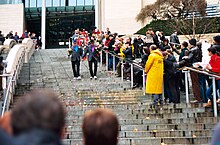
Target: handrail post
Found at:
x=144, y=82
x=186, y=85
x=4, y=86
x=163, y=94
x=122, y=70
x=106, y=61
x=101, y=59
x=214, y=97
x=114, y=64
x=132, y=75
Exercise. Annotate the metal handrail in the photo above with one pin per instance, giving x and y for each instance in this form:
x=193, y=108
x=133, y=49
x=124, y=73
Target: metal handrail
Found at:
x=123, y=59
x=11, y=85
x=6, y=100
x=186, y=71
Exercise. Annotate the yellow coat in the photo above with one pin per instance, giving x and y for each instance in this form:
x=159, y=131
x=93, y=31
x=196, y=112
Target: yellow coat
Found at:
x=154, y=71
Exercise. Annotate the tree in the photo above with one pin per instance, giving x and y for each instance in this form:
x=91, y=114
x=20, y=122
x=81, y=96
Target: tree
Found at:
x=172, y=9
x=183, y=13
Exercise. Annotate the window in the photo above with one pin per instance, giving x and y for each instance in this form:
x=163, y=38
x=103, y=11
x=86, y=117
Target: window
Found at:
x=27, y=3
x=89, y=2
x=63, y=2
x=48, y=3
x=80, y=2
x=33, y=3
x=39, y=3
x=72, y=2
x=56, y=3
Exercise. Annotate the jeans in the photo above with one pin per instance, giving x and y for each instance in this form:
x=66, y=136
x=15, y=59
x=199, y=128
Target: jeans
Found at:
x=202, y=87
x=110, y=62
x=210, y=90
x=157, y=98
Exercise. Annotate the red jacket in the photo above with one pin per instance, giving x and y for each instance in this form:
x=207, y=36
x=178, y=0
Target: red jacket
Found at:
x=215, y=63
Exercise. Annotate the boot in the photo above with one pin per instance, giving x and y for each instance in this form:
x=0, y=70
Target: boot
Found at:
x=209, y=104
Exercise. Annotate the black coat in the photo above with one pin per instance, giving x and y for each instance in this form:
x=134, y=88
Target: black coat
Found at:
x=128, y=53
x=195, y=55
x=76, y=56
x=91, y=55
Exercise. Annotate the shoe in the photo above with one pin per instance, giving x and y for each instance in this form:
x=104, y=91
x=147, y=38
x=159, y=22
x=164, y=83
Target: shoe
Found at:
x=79, y=78
x=209, y=104
x=91, y=78
x=74, y=78
x=196, y=101
x=95, y=77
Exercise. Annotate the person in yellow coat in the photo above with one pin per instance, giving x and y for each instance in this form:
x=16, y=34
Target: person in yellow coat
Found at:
x=154, y=70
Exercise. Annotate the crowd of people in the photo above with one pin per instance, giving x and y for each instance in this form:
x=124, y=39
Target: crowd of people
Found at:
x=19, y=39
x=160, y=57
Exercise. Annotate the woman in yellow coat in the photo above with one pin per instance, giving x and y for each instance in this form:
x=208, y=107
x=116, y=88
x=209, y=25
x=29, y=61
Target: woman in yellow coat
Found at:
x=154, y=71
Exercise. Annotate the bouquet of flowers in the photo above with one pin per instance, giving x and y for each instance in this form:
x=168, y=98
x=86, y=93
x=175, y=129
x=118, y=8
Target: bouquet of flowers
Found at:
x=69, y=51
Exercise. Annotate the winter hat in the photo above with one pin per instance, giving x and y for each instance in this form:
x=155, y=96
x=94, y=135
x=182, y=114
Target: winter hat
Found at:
x=217, y=38
x=192, y=41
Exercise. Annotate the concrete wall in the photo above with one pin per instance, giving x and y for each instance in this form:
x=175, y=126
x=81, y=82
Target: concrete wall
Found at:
x=12, y=18
x=119, y=15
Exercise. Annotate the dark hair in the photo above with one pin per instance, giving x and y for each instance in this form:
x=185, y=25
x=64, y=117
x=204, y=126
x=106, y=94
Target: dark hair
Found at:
x=38, y=109
x=199, y=45
x=100, y=127
x=212, y=50
x=185, y=44
x=153, y=47
x=146, y=50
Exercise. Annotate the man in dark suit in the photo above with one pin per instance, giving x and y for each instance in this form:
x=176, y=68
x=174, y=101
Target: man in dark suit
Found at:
x=77, y=52
x=92, y=58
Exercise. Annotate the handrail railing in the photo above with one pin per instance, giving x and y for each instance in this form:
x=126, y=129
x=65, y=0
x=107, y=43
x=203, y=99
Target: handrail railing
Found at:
x=10, y=84
x=186, y=71
x=122, y=66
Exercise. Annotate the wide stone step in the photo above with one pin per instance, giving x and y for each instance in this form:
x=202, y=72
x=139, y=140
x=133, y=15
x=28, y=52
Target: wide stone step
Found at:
x=154, y=116
x=139, y=106
x=191, y=120
x=151, y=141
x=151, y=127
x=154, y=133
x=145, y=111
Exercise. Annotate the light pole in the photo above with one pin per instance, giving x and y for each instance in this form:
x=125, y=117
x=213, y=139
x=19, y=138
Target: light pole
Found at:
x=194, y=25
x=43, y=24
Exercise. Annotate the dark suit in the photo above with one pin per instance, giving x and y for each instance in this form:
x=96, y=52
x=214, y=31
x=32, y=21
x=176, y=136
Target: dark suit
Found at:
x=75, y=60
x=92, y=58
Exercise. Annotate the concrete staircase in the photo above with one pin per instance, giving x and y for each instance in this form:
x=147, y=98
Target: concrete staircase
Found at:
x=140, y=123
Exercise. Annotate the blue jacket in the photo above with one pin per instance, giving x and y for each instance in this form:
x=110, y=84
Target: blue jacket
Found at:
x=33, y=137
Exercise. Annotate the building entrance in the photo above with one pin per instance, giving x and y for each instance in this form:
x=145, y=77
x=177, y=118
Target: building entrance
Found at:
x=60, y=22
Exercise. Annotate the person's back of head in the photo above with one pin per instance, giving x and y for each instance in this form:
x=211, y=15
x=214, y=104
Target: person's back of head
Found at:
x=100, y=127
x=39, y=109
x=153, y=47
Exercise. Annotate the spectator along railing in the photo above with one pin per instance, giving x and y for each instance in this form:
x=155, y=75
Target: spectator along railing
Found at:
x=186, y=70
x=8, y=44
x=17, y=56
x=122, y=60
